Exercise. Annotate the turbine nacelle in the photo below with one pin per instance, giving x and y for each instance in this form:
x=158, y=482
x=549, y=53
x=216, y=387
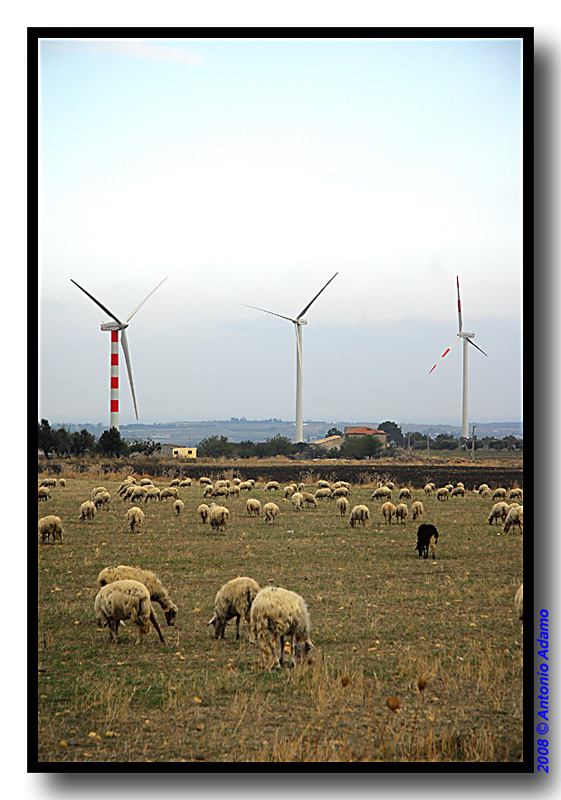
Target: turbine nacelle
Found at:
x=112, y=326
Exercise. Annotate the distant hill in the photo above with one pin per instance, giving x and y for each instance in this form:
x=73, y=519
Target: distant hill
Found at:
x=236, y=429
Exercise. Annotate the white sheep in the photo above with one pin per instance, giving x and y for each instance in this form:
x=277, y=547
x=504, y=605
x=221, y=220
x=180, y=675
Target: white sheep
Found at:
x=101, y=500
x=515, y=517
x=323, y=493
x=158, y=593
x=388, y=510
x=253, y=507
x=50, y=526
x=443, y=493
x=324, y=484
x=309, y=499
x=87, y=511
x=234, y=490
x=458, y=491
x=135, y=518
x=152, y=493
x=48, y=482
x=204, y=481
x=483, y=487
x=272, y=486
x=246, y=486
x=43, y=493
x=297, y=501
x=146, y=482
x=218, y=517
x=515, y=494
x=169, y=491
x=174, y=482
x=417, y=510
x=343, y=506
x=137, y=493
x=360, y=513
x=289, y=490
x=340, y=491
x=178, y=506
x=123, y=600
x=499, y=511
x=233, y=599
x=203, y=512
x=270, y=511
x=208, y=490
x=97, y=490
x=379, y=493
x=276, y=613
x=404, y=494
x=185, y=483
x=429, y=489
x=400, y=513
x=499, y=494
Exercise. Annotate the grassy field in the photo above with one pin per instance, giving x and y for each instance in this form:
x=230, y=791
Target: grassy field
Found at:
x=440, y=637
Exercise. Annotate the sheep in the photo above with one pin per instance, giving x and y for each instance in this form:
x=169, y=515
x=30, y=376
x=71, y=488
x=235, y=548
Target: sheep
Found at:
x=270, y=510
x=427, y=535
x=178, y=506
x=234, y=491
x=515, y=494
x=499, y=511
x=246, y=486
x=390, y=485
x=499, y=494
x=185, y=483
x=276, y=613
x=43, y=493
x=233, y=599
x=98, y=490
x=360, y=514
x=449, y=487
x=289, y=490
x=170, y=491
x=486, y=493
x=343, y=506
x=174, y=482
x=138, y=493
x=323, y=484
x=236, y=481
x=127, y=494
x=205, y=481
x=388, y=510
x=152, y=493
x=158, y=593
x=253, y=507
x=223, y=483
x=122, y=600
x=429, y=489
x=101, y=500
x=379, y=493
x=220, y=491
x=514, y=517
x=208, y=490
x=272, y=486
x=203, y=512
x=417, y=510
x=48, y=482
x=135, y=518
x=309, y=499
x=458, y=491
x=50, y=526
x=400, y=513
x=146, y=482
x=124, y=485
x=324, y=492
x=443, y=493
x=218, y=518
x=87, y=511
x=519, y=602
x=404, y=494
x=483, y=487
x=297, y=501
x=62, y=482
x=340, y=491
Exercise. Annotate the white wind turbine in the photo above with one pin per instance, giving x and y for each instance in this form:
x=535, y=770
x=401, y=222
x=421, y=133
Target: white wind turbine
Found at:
x=115, y=327
x=467, y=337
x=298, y=322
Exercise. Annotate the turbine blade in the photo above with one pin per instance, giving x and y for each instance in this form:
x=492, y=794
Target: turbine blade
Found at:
x=445, y=353
x=459, y=305
x=475, y=345
x=118, y=321
x=269, y=312
x=301, y=314
x=125, y=346
x=131, y=315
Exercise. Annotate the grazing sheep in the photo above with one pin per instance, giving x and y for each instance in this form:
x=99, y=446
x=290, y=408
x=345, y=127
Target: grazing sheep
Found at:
x=499, y=494
x=404, y=494
x=50, y=526
x=449, y=487
x=297, y=501
x=277, y=613
x=126, y=495
x=289, y=490
x=222, y=483
x=340, y=491
x=146, y=482
x=178, y=506
x=234, y=599
x=323, y=493
x=234, y=490
x=135, y=518
x=485, y=493
x=323, y=484
x=48, y=482
x=62, y=482
x=309, y=499
x=122, y=600
x=174, y=482
x=43, y=493
x=360, y=514
x=87, y=511
x=442, y=493
x=272, y=486
x=388, y=510
x=125, y=484
x=519, y=602
x=270, y=510
x=458, y=491
x=515, y=517
x=499, y=511
x=400, y=513
x=515, y=494
x=158, y=593
x=203, y=512
x=220, y=491
x=152, y=493
x=236, y=481
x=101, y=500
x=246, y=486
x=218, y=518
x=138, y=493
x=417, y=510
x=205, y=481
x=427, y=535
x=429, y=489
x=253, y=507
x=170, y=491
x=97, y=490
x=379, y=493
x=185, y=483
x=483, y=487
x=343, y=506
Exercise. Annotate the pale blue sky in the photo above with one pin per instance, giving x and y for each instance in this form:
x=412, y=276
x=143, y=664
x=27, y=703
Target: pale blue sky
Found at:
x=249, y=171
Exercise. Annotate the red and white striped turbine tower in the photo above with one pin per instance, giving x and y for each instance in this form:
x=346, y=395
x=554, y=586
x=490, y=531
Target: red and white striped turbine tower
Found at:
x=115, y=327
x=467, y=337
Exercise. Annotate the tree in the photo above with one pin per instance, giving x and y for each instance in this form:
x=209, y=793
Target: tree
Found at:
x=215, y=447
x=278, y=446
x=360, y=447
x=395, y=436
x=45, y=438
x=112, y=444
x=333, y=432
x=145, y=446
x=82, y=442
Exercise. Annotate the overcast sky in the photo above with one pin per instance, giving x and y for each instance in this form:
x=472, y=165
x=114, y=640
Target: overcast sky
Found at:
x=249, y=172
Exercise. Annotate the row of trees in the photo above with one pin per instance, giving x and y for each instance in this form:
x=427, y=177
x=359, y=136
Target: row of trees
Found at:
x=61, y=442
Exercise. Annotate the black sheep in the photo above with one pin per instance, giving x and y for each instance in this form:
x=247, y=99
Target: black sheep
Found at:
x=426, y=535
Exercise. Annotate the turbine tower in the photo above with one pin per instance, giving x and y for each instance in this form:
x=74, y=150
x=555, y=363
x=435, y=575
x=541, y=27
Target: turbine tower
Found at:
x=115, y=327
x=467, y=338
x=298, y=323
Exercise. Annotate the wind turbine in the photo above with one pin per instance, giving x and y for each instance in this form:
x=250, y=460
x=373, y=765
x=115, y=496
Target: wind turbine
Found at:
x=298, y=323
x=467, y=337
x=115, y=327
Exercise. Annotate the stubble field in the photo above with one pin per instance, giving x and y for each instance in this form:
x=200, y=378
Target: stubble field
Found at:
x=440, y=636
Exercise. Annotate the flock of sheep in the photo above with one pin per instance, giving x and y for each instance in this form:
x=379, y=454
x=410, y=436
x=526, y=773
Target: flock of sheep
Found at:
x=272, y=613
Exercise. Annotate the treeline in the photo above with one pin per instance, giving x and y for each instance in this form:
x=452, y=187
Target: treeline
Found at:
x=60, y=442
x=221, y=447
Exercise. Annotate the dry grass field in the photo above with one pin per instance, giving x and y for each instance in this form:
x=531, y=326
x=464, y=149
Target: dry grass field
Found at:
x=437, y=639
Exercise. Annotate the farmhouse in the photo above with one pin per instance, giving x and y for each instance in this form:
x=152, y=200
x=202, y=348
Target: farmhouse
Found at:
x=179, y=451
x=364, y=430
x=330, y=442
